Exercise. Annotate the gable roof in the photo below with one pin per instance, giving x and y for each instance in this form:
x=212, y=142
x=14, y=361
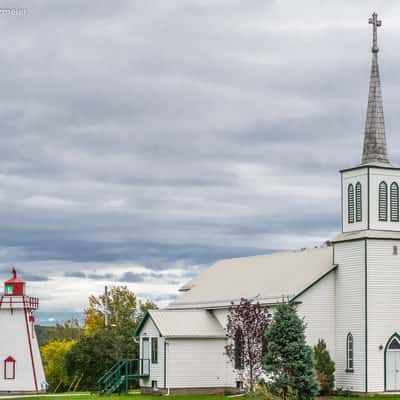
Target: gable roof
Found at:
x=267, y=277
x=184, y=324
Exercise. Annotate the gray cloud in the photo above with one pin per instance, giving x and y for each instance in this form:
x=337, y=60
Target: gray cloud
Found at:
x=101, y=277
x=74, y=274
x=34, y=278
x=167, y=133
x=131, y=277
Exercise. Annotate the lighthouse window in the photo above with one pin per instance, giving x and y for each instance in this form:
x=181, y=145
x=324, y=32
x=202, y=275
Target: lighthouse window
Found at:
x=9, y=368
x=9, y=289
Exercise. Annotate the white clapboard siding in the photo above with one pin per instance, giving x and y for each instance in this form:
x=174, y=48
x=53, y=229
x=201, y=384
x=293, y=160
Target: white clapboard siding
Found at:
x=196, y=363
x=383, y=305
x=353, y=177
x=221, y=315
x=350, y=316
x=318, y=309
x=378, y=175
x=149, y=330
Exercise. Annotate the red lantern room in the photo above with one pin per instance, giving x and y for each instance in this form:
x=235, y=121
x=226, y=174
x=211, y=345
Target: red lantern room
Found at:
x=14, y=286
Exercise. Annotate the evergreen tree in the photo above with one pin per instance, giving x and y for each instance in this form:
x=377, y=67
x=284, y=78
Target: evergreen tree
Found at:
x=325, y=367
x=289, y=360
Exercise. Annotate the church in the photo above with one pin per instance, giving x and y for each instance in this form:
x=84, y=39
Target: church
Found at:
x=348, y=291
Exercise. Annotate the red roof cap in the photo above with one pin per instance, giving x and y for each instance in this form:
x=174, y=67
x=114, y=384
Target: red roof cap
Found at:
x=14, y=279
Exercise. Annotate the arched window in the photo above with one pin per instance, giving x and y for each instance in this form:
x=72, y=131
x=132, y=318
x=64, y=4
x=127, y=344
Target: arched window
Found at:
x=394, y=344
x=350, y=203
x=358, y=202
x=238, y=349
x=9, y=368
x=383, y=200
x=394, y=202
x=349, y=353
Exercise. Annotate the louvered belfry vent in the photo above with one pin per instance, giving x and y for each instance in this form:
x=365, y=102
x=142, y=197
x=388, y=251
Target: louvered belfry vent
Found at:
x=358, y=203
x=350, y=201
x=383, y=200
x=394, y=202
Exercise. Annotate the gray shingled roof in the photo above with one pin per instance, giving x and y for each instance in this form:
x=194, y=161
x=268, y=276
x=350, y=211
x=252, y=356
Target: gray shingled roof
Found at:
x=187, y=323
x=269, y=277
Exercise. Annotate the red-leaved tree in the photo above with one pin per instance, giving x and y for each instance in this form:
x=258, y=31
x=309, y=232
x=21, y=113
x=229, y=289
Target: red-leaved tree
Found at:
x=245, y=330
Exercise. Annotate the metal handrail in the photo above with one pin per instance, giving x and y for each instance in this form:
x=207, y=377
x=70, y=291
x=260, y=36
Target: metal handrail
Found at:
x=27, y=301
x=123, y=370
x=109, y=372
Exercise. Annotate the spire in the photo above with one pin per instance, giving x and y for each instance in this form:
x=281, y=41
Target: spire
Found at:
x=374, y=139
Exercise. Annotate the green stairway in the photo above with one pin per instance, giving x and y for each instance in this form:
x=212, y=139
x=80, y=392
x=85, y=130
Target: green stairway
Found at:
x=117, y=378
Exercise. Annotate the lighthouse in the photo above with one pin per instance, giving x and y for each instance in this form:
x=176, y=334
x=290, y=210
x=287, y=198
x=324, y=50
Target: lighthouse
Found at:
x=21, y=368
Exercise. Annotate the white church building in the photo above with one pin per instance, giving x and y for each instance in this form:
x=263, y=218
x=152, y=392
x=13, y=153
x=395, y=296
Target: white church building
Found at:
x=348, y=291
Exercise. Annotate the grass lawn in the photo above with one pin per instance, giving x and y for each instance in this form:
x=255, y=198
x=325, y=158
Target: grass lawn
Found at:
x=126, y=397
x=183, y=397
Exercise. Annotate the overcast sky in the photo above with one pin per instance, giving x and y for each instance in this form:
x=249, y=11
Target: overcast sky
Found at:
x=140, y=141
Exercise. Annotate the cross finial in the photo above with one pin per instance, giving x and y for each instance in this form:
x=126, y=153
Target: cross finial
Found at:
x=375, y=24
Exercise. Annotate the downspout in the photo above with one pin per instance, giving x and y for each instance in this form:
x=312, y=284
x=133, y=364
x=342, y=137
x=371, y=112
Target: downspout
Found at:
x=165, y=366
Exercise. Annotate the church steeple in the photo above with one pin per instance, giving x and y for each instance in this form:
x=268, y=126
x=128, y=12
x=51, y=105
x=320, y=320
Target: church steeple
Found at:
x=371, y=190
x=374, y=140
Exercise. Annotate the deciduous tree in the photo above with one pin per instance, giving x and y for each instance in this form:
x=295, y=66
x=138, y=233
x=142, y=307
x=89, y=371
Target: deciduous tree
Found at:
x=120, y=305
x=245, y=329
x=53, y=356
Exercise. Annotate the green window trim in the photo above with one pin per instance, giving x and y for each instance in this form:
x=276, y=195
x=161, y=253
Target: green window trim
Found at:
x=9, y=289
x=358, y=202
x=394, y=202
x=154, y=350
x=383, y=202
x=350, y=203
x=349, y=353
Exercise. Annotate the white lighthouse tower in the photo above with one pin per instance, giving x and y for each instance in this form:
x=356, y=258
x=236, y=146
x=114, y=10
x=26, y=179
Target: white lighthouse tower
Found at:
x=21, y=368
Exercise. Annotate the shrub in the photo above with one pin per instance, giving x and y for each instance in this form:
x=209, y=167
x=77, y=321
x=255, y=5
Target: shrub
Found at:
x=325, y=368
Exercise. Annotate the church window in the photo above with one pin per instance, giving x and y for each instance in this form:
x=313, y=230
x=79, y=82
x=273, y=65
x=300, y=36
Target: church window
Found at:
x=383, y=200
x=350, y=201
x=9, y=368
x=349, y=353
x=394, y=202
x=238, y=349
x=154, y=350
x=358, y=202
x=394, y=344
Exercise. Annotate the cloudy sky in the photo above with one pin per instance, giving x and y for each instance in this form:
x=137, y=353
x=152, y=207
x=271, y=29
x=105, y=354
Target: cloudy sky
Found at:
x=142, y=140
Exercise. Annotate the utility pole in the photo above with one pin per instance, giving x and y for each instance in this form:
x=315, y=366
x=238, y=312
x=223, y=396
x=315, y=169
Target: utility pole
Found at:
x=105, y=306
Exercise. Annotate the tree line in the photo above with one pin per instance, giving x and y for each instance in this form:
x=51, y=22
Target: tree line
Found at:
x=76, y=355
